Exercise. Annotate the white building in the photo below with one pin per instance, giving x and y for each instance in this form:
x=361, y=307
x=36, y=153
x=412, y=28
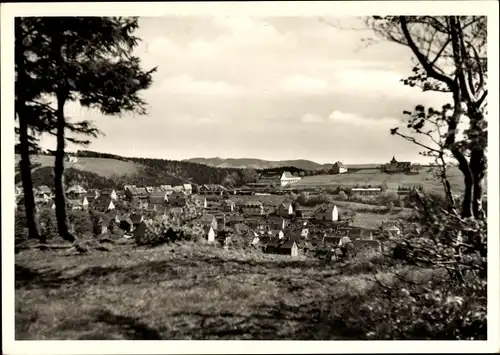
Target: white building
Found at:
x=329, y=213
x=288, y=179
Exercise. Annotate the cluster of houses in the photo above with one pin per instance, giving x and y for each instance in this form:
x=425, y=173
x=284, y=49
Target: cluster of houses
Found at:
x=280, y=229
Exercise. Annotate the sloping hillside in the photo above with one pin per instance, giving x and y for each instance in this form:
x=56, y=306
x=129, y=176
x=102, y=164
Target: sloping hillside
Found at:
x=100, y=166
x=118, y=171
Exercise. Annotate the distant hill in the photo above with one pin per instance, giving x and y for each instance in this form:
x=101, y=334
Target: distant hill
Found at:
x=258, y=164
x=104, y=170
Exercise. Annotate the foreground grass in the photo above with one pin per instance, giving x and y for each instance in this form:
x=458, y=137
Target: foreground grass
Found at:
x=188, y=291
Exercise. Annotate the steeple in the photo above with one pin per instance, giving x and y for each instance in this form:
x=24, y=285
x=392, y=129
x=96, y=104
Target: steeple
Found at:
x=393, y=160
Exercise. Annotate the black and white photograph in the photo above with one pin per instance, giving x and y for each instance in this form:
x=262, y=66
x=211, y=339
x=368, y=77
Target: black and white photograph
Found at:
x=243, y=172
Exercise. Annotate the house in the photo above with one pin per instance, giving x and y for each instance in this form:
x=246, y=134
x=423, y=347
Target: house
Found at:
x=158, y=197
x=253, y=208
x=75, y=191
x=111, y=193
x=253, y=223
x=269, y=180
x=132, y=192
x=285, y=210
x=104, y=203
x=304, y=213
x=228, y=206
x=338, y=168
x=71, y=158
x=288, y=179
x=167, y=188
x=393, y=231
x=188, y=189
x=81, y=204
x=276, y=222
x=331, y=241
x=360, y=233
x=327, y=213
x=366, y=191
x=395, y=166
x=288, y=247
x=293, y=234
x=92, y=196
x=177, y=199
x=209, y=233
x=208, y=220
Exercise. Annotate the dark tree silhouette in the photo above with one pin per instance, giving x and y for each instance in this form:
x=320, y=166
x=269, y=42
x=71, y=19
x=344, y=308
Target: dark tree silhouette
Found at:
x=89, y=60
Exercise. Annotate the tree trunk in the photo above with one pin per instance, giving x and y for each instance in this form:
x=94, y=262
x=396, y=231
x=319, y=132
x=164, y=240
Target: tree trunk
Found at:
x=25, y=168
x=60, y=199
x=478, y=161
x=463, y=165
x=467, y=200
x=478, y=167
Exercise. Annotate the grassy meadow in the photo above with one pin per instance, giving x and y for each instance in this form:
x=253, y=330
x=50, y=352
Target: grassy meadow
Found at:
x=375, y=177
x=193, y=291
x=100, y=166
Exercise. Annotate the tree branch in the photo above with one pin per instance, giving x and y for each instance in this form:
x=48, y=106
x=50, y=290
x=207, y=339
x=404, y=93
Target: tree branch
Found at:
x=413, y=140
x=429, y=68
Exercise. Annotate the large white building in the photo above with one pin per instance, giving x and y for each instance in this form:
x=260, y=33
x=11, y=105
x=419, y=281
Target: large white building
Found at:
x=288, y=179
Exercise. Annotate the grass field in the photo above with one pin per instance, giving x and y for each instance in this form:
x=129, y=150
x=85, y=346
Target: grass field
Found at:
x=101, y=166
x=375, y=177
x=189, y=291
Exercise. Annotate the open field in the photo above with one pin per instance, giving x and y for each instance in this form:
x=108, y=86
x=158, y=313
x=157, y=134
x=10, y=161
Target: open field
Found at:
x=190, y=291
x=375, y=177
x=101, y=166
x=373, y=220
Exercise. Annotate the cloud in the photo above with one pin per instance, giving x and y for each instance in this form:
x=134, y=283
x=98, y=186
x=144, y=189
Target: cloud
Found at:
x=185, y=85
x=248, y=32
x=185, y=119
x=351, y=119
x=202, y=49
x=312, y=118
x=302, y=84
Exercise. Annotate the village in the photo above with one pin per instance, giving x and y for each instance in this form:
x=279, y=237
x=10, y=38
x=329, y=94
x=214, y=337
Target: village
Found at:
x=279, y=226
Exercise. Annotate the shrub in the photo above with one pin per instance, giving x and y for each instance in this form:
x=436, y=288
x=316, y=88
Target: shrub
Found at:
x=342, y=196
x=20, y=227
x=454, y=308
x=81, y=222
x=418, y=311
x=48, y=223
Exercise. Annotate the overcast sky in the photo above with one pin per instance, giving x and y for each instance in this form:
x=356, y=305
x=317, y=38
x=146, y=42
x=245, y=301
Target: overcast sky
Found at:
x=270, y=88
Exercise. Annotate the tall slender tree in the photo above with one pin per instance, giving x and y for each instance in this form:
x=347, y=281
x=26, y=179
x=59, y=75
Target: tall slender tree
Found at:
x=89, y=60
x=451, y=54
x=33, y=117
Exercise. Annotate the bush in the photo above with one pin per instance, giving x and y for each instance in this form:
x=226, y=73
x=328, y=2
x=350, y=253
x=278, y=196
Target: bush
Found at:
x=455, y=307
x=419, y=311
x=81, y=222
x=342, y=196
